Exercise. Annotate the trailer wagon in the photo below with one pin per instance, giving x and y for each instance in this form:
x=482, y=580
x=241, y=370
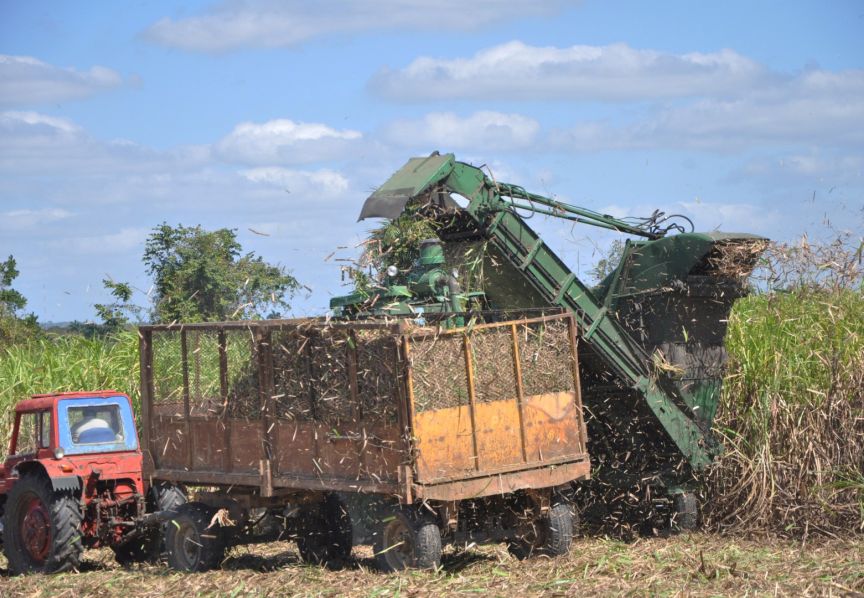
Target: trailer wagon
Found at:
x=385, y=433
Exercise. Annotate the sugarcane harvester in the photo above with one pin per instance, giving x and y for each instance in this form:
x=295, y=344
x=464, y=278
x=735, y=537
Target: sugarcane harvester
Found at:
x=651, y=332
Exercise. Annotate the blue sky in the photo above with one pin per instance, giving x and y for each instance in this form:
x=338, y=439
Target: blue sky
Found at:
x=281, y=117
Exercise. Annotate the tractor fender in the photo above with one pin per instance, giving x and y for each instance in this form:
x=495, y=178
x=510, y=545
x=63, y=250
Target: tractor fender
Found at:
x=70, y=483
x=59, y=483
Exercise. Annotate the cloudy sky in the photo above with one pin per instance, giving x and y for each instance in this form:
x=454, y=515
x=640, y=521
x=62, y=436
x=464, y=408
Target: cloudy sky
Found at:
x=278, y=118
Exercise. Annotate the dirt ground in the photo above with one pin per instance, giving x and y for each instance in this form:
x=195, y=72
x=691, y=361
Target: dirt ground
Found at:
x=690, y=565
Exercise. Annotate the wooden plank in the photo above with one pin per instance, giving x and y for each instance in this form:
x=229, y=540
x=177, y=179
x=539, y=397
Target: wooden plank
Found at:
x=246, y=446
x=206, y=437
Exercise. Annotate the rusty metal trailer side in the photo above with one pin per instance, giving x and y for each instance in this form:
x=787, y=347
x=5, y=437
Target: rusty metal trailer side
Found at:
x=363, y=428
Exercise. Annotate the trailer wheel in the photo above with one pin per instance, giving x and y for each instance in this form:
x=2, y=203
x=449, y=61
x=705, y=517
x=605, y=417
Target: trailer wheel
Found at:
x=190, y=542
x=685, y=512
x=550, y=534
x=326, y=534
x=408, y=539
x=151, y=546
x=42, y=528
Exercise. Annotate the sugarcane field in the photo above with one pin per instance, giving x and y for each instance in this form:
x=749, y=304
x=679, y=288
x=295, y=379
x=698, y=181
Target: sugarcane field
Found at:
x=381, y=299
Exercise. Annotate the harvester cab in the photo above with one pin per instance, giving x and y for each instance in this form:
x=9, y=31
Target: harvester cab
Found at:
x=652, y=332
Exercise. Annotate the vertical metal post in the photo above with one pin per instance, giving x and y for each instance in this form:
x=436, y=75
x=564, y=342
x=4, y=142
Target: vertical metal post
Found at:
x=574, y=355
x=356, y=400
x=184, y=364
x=261, y=346
x=520, y=391
x=223, y=392
x=469, y=365
x=145, y=356
x=407, y=417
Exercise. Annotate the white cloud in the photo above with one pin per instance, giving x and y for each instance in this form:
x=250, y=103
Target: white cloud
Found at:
x=25, y=219
x=284, y=141
x=814, y=109
x=515, y=70
x=26, y=80
x=319, y=184
x=445, y=131
x=275, y=23
x=121, y=241
x=31, y=142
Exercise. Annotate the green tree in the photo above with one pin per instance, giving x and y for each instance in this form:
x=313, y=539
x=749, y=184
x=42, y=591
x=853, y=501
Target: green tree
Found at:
x=11, y=301
x=202, y=276
x=13, y=327
x=116, y=315
x=609, y=261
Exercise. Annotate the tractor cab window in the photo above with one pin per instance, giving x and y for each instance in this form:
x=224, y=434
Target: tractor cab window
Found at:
x=34, y=432
x=96, y=425
x=28, y=434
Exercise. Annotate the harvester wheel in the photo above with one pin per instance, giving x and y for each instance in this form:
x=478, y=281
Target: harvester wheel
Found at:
x=149, y=547
x=42, y=528
x=685, y=512
x=326, y=533
x=191, y=542
x=407, y=539
x=551, y=534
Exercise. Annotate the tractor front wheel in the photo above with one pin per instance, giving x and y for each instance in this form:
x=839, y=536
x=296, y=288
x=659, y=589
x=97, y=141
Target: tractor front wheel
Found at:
x=42, y=528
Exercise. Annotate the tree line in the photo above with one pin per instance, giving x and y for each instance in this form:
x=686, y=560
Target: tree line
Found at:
x=197, y=276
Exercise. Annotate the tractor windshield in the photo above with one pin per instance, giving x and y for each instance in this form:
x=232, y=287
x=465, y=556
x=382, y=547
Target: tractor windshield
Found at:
x=96, y=425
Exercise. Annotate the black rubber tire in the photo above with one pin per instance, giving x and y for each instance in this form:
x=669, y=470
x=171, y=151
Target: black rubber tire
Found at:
x=190, y=543
x=685, y=513
x=326, y=535
x=151, y=546
x=551, y=534
x=407, y=539
x=64, y=545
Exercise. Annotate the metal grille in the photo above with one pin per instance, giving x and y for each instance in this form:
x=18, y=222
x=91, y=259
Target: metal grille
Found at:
x=440, y=378
x=545, y=357
x=167, y=374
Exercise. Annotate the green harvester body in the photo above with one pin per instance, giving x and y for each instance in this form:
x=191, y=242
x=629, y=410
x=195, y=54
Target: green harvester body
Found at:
x=651, y=332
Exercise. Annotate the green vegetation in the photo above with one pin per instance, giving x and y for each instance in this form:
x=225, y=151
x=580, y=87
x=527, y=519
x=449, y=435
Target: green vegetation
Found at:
x=202, y=276
x=13, y=327
x=66, y=363
x=792, y=414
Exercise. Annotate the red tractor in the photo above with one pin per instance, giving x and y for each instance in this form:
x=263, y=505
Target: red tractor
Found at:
x=73, y=480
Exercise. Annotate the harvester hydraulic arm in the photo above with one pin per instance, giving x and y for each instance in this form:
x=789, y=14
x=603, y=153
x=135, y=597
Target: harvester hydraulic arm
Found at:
x=566, y=211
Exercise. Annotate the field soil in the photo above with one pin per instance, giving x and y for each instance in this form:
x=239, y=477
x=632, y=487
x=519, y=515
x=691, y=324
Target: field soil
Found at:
x=687, y=565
